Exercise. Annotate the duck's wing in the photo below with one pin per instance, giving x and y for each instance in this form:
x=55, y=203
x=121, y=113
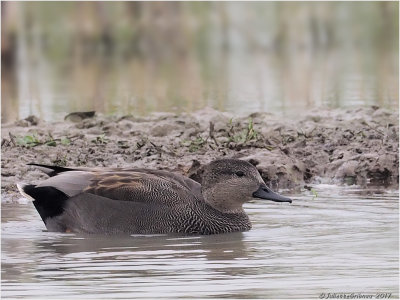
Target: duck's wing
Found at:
x=138, y=186
x=141, y=186
x=77, y=180
x=109, y=201
x=193, y=186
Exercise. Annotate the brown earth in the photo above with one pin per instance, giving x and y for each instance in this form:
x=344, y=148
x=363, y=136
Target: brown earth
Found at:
x=354, y=146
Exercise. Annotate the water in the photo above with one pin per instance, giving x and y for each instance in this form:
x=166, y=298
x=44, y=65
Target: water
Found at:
x=239, y=57
x=344, y=240
x=265, y=83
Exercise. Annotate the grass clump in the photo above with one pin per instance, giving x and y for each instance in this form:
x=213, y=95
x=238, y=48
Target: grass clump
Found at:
x=195, y=144
x=244, y=136
x=28, y=141
x=314, y=194
x=100, y=140
x=32, y=140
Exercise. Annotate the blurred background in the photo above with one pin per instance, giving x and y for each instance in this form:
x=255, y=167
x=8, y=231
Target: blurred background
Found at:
x=143, y=57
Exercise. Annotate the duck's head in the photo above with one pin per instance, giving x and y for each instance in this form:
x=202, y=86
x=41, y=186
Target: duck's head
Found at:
x=228, y=183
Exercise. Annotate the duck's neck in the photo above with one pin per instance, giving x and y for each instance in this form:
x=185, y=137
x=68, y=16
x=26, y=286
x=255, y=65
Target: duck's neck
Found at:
x=223, y=203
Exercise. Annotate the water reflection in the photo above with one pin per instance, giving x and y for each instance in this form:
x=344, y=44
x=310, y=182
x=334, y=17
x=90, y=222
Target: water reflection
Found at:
x=229, y=246
x=142, y=57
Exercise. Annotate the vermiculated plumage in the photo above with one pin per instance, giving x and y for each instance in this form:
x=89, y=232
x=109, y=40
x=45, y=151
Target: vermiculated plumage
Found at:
x=140, y=201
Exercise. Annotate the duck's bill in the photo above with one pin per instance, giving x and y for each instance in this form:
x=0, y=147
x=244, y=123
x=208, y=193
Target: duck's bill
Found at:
x=266, y=193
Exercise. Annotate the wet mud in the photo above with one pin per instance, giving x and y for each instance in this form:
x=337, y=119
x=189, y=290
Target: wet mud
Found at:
x=341, y=146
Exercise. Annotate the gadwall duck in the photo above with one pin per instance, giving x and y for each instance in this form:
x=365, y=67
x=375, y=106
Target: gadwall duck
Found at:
x=141, y=201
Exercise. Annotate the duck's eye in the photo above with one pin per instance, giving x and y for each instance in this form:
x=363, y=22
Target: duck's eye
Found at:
x=239, y=174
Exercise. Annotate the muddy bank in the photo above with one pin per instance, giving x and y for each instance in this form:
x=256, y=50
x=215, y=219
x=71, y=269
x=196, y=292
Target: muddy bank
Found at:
x=356, y=146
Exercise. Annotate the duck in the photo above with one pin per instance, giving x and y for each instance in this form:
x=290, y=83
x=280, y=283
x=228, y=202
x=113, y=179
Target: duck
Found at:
x=145, y=201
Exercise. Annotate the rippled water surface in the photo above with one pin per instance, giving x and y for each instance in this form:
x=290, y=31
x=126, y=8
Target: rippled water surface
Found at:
x=341, y=240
